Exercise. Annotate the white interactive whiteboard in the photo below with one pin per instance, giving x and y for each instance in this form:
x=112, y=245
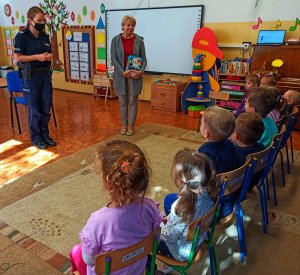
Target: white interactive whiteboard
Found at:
x=168, y=33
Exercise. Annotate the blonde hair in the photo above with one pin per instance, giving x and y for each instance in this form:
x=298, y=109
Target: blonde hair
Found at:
x=124, y=169
x=292, y=95
x=128, y=18
x=220, y=123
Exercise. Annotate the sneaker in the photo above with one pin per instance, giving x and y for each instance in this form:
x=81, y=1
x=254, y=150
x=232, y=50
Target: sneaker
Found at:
x=50, y=142
x=130, y=132
x=40, y=144
x=165, y=269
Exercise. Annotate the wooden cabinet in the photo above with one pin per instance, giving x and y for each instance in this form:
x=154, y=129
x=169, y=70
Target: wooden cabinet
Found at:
x=290, y=55
x=166, y=95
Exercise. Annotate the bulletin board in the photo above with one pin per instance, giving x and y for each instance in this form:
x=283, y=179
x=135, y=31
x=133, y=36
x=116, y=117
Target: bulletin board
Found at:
x=79, y=53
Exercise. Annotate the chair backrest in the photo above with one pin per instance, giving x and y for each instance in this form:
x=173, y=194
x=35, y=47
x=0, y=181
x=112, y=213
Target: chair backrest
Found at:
x=289, y=125
x=14, y=83
x=277, y=140
x=218, y=95
x=236, y=178
x=115, y=260
x=202, y=223
x=262, y=161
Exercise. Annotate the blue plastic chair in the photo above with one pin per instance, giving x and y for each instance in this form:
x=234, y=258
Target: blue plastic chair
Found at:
x=262, y=161
x=235, y=180
x=14, y=85
x=277, y=141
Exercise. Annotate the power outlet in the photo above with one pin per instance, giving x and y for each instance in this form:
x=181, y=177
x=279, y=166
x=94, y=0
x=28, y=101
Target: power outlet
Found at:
x=246, y=45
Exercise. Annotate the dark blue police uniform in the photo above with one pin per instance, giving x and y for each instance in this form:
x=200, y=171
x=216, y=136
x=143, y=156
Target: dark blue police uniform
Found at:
x=38, y=90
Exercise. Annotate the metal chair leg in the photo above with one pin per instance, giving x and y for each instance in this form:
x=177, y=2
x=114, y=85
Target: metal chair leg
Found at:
x=274, y=186
x=292, y=149
x=282, y=168
x=11, y=113
x=54, y=117
x=17, y=116
x=287, y=159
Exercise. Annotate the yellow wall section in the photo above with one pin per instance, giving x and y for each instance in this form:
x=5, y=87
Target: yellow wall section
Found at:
x=227, y=34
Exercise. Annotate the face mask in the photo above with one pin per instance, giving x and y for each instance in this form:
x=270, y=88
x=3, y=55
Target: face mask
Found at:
x=39, y=27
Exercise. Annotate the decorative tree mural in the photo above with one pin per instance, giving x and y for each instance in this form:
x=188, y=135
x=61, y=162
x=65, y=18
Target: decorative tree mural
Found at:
x=56, y=15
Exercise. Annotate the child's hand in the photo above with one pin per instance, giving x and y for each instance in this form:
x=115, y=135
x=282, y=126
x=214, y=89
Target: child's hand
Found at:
x=165, y=219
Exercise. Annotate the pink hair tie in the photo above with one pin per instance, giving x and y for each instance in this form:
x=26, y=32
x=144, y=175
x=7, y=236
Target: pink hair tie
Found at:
x=125, y=167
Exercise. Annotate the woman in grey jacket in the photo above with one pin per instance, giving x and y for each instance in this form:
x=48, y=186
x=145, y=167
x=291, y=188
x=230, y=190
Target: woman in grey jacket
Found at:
x=127, y=84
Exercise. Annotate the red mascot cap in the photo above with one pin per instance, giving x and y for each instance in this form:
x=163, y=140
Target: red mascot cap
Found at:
x=205, y=39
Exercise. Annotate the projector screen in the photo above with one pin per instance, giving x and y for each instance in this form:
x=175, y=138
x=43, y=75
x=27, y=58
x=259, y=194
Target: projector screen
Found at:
x=168, y=33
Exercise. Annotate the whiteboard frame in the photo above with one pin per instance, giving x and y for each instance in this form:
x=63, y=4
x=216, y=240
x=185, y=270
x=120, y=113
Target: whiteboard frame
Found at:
x=187, y=55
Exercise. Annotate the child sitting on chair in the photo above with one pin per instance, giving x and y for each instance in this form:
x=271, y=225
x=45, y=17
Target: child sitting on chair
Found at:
x=193, y=175
x=128, y=217
x=252, y=82
x=249, y=128
x=217, y=125
x=293, y=99
x=262, y=102
x=269, y=81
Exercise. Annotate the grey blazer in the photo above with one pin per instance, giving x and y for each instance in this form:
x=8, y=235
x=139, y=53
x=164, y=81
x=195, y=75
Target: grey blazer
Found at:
x=117, y=58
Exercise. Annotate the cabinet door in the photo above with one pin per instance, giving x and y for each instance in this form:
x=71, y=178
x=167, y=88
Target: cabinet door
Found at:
x=170, y=98
x=157, y=96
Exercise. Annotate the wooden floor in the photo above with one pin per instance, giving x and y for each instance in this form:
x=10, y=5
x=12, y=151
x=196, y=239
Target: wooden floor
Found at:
x=82, y=121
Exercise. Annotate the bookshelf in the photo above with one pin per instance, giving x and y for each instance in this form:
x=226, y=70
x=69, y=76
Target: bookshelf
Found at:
x=234, y=86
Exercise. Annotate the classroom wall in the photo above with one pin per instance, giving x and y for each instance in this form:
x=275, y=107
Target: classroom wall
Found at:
x=232, y=21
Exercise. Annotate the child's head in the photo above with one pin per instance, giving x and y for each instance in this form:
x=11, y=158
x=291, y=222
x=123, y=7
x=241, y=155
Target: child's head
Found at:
x=124, y=170
x=249, y=128
x=252, y=82
x=292, y=97
x=261, y=101
x=268, y=81
x=192, y=172
x=217, y=124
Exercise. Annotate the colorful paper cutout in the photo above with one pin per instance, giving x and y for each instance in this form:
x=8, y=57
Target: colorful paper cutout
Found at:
x=259, y=21
x=293, y=28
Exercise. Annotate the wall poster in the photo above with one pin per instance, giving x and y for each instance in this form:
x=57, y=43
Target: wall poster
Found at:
x=79, y=53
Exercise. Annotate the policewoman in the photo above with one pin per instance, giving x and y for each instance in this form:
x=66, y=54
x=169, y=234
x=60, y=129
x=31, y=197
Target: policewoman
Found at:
x=33, y=53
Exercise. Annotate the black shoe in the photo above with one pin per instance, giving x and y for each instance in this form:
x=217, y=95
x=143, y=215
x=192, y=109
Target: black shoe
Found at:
x=50, y=142
x=40, y=144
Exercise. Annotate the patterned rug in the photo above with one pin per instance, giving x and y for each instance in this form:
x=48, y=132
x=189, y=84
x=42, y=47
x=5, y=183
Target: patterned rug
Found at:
x=42, y=213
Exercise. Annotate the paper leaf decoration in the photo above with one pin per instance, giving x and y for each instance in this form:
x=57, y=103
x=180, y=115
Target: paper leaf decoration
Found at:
x=73, y=17
x=93, y=15
x=23, y=19
x=79, y=20
x=102, y=8
x=12, y=20
x=84, y=10
x=17, y=14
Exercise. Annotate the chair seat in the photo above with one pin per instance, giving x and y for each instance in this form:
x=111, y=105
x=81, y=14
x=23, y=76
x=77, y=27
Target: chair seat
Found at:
x=20, y=100
x=170, y=261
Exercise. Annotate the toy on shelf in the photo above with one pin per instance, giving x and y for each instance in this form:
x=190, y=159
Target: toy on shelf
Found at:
x=200, y=92
x=197, y=71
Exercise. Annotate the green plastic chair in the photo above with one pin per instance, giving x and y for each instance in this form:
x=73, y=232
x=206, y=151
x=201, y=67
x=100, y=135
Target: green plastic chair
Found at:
x=196, y=229
x=111, y=261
